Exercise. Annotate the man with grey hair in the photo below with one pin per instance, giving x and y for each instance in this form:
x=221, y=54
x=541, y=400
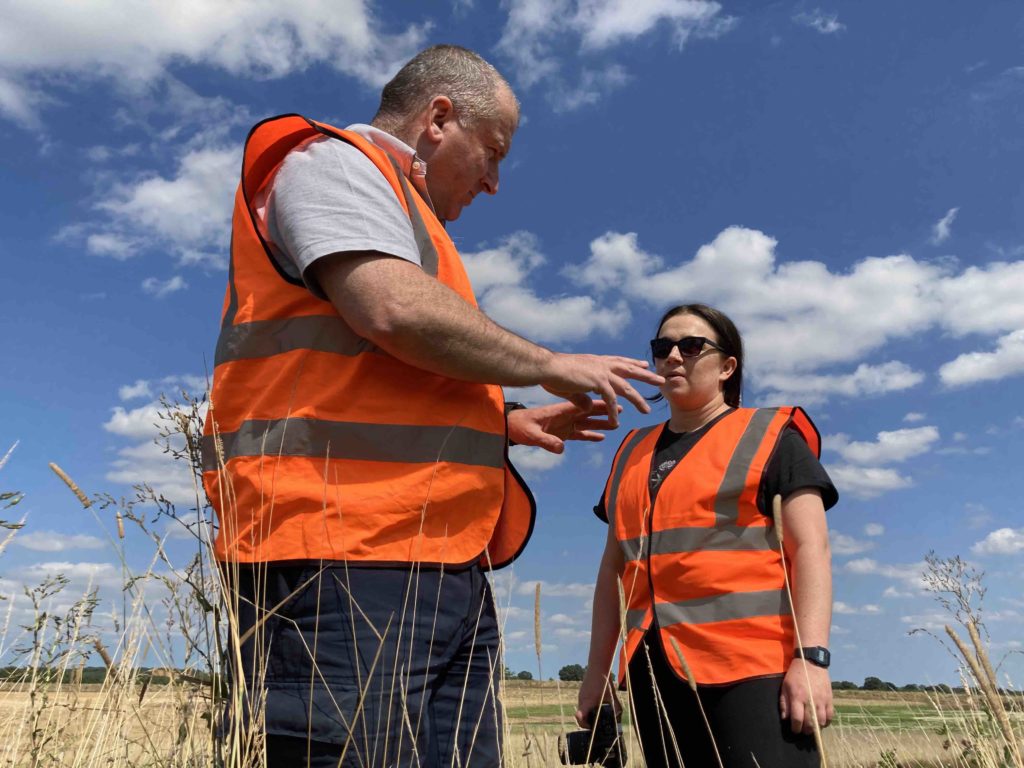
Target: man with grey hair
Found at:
x=357, y=453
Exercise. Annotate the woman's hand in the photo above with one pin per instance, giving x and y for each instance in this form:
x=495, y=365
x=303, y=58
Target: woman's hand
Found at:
x=595, y=690
x=795, y=697
x=549, y=426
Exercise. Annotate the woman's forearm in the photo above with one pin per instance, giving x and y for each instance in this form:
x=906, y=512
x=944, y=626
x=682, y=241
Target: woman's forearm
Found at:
x=807, y=547
x=604, y=625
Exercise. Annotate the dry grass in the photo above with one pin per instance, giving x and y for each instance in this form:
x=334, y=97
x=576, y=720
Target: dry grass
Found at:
x=174, y=615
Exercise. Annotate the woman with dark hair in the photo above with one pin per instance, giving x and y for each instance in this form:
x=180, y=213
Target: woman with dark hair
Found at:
x=728, y=606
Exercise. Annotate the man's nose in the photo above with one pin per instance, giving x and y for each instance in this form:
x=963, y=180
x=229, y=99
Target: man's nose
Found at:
x=490, y=181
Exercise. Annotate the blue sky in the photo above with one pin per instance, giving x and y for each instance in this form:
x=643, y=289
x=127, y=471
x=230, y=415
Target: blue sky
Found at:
x=844, y=179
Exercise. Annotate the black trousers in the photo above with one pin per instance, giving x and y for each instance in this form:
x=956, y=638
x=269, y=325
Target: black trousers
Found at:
x=744, y=719
x=372, y=666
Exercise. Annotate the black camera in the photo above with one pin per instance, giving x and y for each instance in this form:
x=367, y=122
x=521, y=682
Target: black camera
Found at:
x=601, y=745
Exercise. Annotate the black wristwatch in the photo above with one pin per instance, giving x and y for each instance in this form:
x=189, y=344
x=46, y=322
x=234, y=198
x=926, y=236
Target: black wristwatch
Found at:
x=816, y=655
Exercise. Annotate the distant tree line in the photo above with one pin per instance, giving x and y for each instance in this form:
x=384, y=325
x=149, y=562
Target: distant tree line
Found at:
x=89, y=675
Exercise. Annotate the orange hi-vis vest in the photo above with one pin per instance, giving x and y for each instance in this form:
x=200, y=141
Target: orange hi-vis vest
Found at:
x=703, y=564
x=319, y=445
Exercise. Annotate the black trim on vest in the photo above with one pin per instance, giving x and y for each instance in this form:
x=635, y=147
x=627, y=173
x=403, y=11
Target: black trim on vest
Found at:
x=248, y=204
x=533, y=515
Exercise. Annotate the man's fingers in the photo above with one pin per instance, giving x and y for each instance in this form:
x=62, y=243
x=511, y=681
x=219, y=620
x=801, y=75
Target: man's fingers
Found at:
x=783, y=706
x=587, y=436
x=580, y=400
x=627, y=391
x=607, y=393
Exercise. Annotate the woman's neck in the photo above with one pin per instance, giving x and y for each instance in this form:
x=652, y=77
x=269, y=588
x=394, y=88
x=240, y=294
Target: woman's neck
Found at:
x=688, y=421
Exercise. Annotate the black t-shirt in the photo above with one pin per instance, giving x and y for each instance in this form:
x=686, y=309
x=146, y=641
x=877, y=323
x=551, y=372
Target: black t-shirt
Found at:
x=792, y=467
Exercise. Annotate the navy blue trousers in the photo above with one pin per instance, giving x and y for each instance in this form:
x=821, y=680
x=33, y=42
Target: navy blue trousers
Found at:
x=371, y=666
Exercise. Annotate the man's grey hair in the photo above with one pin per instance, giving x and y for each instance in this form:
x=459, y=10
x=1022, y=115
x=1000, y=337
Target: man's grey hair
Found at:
x=472, y=84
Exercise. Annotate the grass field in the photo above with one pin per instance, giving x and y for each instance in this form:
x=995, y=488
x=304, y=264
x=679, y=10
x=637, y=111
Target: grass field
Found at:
x=177, y=613
x=871, y=730
x=100, y=727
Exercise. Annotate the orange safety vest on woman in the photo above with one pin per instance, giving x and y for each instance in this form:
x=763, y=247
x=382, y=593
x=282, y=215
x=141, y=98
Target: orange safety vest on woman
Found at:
x=317, y=444
x=704, y=561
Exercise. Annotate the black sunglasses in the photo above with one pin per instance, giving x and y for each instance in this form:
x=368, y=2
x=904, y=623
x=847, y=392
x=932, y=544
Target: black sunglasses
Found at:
x=688, y=346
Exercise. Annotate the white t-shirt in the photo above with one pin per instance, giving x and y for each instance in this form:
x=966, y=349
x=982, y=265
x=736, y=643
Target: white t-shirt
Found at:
x=328, y=197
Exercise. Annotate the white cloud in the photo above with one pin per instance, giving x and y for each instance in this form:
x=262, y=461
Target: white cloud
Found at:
x=137, y=423
x=563, y=619
x=19, y=103
x=499, y=275
x=910, y=574
x=943, y=227
x=799, y=317
x=892, y=593
x=913, y=417
x=977, y=515
x=572, y=634
x=534, y=459
x=796, y=316
x=867, y=482
x=137, y=43
x=555, y=589
x=80, y=574
x=507, y=264
x=867, y=380
x=593, y=85
x=161, y=288
x=1004, y=541
x=1005, y=361
x=537, y=33
x=874, y=529
x=145, y=461
x=843, y=544
x=148, y=464
x=201, y=190
x=896, y=446
x=845, y=609
x=135, y=391
x=604, y=23
x=53, y=541
x=110, y=244
x=825, y=23
x=982, y=300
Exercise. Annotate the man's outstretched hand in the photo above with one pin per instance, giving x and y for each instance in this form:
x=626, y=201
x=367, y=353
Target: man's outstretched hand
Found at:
x=549, y=426
x=574, y=376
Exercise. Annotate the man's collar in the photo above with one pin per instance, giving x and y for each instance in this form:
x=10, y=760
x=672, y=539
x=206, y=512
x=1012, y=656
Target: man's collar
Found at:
x=412, y=166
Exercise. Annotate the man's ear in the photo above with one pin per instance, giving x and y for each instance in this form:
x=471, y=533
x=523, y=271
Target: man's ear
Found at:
x=439, y=112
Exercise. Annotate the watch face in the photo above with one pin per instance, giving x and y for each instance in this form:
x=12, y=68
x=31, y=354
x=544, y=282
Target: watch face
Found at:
x=817, y=655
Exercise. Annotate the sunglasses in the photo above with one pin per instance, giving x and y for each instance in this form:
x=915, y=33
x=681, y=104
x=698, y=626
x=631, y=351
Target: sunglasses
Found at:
x=688, y=346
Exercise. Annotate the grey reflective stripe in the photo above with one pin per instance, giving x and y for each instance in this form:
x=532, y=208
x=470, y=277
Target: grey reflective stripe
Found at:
x=613, y=486
x=428, y=253
x=264, y=338
x=635, y=619
x=232, y=308
x=317, y=438
x=727, y=510
x=717, y=539
x=727, y=607
x=633, y=549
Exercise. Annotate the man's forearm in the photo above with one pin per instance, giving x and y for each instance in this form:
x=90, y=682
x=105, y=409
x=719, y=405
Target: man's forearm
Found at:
x=410, y=315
